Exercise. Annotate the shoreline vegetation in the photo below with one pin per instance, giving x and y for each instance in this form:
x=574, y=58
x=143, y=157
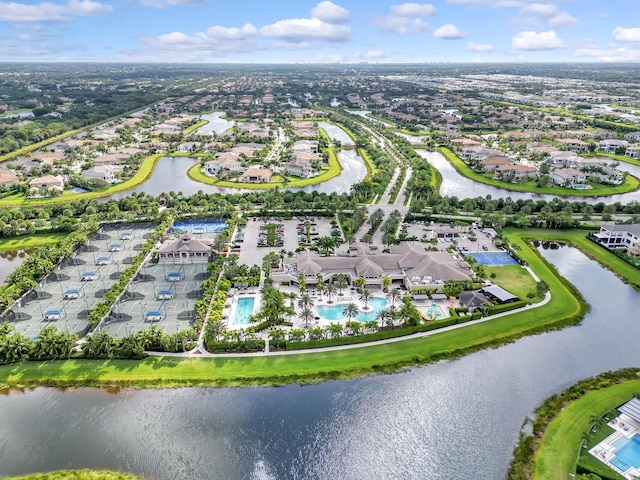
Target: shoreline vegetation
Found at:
x=631, y=183
x=566, y=307
x=551, y=451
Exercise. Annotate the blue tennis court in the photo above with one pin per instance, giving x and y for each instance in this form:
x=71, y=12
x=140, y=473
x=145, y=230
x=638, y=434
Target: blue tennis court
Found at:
x=492, y=259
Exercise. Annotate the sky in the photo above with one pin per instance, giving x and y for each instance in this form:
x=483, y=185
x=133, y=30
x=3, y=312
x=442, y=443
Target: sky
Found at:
x=301, y=31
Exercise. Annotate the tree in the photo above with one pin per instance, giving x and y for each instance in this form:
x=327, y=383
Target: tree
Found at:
x=350, y=311
x=364, y=297
x=306, y=315
x=336, y=330
x=319, y=283
x=340, y=279
x=394, y=295
x=330, y=292
x=386, y=283
x=360, y=282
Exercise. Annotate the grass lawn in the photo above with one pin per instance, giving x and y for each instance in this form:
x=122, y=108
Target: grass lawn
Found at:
x=277, y=181
x=195, y=126
x=631, y=183
x=514, y=279
x=30, y=241
x=556, y=457
x=76, y=475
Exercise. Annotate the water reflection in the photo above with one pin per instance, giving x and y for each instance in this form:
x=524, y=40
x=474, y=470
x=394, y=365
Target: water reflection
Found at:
x=451, y=420
x=10, y=260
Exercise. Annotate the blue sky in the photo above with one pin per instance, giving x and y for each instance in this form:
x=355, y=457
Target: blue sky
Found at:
x=269, y=31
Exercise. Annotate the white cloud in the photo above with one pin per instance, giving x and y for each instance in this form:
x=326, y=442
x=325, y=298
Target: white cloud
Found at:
x=413, y=10
x=329, y=12
x=217, y=41
x=621, y=54
x=548, y=13
x=162, y=4
x=304, y=29
x=47, y=11
x=316, y=28
x=626, y=35
x=448, y=31
x=405, y=18
x=375, y=54
x=478, y=47
x=537, y=41
x=489, y=3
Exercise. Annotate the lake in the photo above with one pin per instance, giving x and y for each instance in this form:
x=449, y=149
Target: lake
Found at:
x=455, y=419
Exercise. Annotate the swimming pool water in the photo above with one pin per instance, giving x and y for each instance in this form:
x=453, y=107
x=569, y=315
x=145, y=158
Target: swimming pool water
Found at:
x=628, y=450
x=244, y=310
x=428, y=311
x=206, y=227
x=334, y=312
x=616, y=462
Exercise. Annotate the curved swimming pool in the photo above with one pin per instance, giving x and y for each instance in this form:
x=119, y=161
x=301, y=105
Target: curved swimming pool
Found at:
x=334, y=312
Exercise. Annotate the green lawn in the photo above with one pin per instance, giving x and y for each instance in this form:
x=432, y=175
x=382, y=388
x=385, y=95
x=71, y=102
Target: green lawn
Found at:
x=30, y=241
x=195, y=126
x=631, y=183
x=514, y=279
x=556, y=457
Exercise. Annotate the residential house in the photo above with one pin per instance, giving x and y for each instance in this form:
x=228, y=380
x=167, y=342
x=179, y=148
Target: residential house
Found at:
x=305, y=146
x=212, y=167
x=8, y=177
x=574, y=144
x=102, y=172
x=489, y=164
x=633, y=151
x=632, y=136
x=515, y=172
x=299, y=168
x=611, y=146
x=561, y=159
x=48, y=182
x=568, y=177
x=256, y=175
x=620, y=236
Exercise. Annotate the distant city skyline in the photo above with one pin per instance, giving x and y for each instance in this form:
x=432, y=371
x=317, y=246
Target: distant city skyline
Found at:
x=266, y=31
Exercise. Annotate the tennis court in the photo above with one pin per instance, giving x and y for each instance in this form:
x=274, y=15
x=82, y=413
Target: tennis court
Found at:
x=492, y=259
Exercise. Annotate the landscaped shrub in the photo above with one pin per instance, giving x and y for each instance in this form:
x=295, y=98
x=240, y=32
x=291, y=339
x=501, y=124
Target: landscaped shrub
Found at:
x=507, y=307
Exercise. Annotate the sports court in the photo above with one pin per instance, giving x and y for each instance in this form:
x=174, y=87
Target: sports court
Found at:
x=492, y=259
x=161, y=295
x=67, y=295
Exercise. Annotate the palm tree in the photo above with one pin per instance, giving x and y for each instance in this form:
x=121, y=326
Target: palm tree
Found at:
x=302, y=285
x=336, y=330
x=319, y=283
x=340, y=280
x=330, y=292
x=350, y=311
x=394, y=295
x=306, y=315
x=364, y=297
x=305, y=301
x=386, y=283
x=381, y=317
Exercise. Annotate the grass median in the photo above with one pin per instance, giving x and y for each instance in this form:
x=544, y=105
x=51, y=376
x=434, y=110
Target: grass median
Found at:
x=630, y=184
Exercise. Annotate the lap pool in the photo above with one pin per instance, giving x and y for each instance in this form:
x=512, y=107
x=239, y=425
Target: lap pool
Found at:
x=334, y=312
x=200, y=227
x=244, y=310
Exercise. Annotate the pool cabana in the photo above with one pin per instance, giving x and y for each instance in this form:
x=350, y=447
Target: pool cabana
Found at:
x=72, y=293
x=165, y=294
x=89, y=276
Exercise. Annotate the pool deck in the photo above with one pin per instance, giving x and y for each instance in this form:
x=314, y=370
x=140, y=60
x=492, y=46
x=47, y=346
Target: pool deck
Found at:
x=604, y=451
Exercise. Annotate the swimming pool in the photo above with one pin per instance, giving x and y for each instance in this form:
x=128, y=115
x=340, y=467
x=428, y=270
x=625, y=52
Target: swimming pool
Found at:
x=200, y=227
x=334, y=312
x=429, y=311
x=627, y=450
x=244, y=310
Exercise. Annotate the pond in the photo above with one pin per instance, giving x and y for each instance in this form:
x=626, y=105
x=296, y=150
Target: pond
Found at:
x=455, y=419
x=216, y=124
x=10, y=260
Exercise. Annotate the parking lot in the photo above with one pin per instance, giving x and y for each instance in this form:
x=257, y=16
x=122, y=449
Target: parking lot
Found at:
x=70, y=292
x=293, y=234
x=458, y=237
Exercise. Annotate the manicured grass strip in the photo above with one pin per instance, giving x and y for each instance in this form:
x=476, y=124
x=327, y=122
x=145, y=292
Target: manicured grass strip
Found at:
x=631, y=183
x=195, y=126
x=334, y=170
x=76, y=475
x=30, y=241
x=371, y=168
x=578, y=238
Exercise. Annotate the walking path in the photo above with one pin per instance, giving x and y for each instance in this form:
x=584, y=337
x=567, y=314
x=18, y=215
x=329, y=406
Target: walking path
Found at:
x=192, y=353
